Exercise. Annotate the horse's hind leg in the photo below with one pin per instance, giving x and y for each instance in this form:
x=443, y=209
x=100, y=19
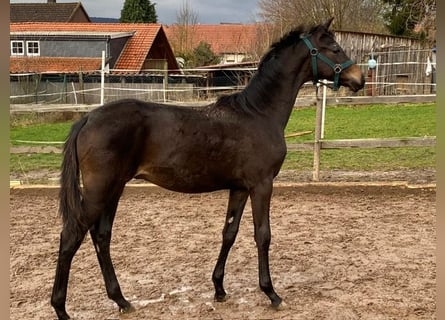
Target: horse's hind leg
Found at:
x=237, y=201
x=101, y=235
x=70, y=240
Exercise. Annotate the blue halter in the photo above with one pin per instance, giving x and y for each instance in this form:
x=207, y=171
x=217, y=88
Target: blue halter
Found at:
x=338, y=68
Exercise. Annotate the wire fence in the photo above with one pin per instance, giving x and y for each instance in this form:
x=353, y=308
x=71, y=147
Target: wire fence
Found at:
x=401, y=72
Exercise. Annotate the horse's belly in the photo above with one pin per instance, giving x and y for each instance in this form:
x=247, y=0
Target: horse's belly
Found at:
x=183, y=180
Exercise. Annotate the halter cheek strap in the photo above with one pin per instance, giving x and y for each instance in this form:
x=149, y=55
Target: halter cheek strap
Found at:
x=338, y=68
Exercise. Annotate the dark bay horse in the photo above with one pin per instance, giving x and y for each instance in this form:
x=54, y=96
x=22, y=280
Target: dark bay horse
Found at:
x=237, y=144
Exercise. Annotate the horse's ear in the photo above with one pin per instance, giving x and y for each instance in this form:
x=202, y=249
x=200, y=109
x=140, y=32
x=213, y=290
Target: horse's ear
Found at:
x=327, y=24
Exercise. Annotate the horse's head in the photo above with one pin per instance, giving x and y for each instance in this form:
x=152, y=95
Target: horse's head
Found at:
x=329, y=61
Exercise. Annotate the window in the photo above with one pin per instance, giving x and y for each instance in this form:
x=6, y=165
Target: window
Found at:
x=17, y=48
x=33, y=48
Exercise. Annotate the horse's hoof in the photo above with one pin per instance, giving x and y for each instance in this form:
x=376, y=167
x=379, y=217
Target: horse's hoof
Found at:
x=62, y=315
x=221, y=298
x=280, y=306
x=127, y=309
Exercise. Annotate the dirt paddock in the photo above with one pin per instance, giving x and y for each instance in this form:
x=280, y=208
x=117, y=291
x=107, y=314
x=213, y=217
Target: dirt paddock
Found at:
x=357, y=252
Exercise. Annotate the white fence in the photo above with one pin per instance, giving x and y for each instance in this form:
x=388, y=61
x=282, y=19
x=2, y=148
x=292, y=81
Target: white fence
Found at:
x=397, y=73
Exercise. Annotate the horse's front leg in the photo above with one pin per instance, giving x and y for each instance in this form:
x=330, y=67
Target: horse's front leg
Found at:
x=237, y=201
x=260, y=197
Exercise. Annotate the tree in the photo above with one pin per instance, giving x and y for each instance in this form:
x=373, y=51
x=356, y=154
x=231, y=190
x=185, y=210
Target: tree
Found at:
x=183, y=33
x=139, y=11
x=204, y=56
x=186, y=19
x=353, y=15
x=411, y=18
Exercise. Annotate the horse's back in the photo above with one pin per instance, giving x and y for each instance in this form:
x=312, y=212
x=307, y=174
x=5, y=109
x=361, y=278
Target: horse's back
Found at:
x=179, y=148
x=130, y=137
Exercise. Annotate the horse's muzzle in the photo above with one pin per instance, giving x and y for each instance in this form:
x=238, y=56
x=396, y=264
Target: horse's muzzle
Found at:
x=353, y=78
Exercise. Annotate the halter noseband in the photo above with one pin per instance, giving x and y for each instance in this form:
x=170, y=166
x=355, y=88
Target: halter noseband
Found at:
x=338, y=68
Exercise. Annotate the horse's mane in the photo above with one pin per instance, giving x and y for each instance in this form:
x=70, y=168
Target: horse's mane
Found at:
x=238, y=100
x=289, y=39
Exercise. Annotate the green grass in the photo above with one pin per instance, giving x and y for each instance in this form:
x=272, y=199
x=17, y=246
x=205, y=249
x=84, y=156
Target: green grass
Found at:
x=50, y=132
x=364, y=159
x=342, y=122
x=374, y=121
x=28, y=162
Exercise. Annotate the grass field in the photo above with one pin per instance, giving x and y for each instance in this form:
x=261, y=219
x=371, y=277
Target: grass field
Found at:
x=342, y=122
x=372, y=121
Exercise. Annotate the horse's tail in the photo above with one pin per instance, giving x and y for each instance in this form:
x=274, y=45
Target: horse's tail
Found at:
x=70, y=195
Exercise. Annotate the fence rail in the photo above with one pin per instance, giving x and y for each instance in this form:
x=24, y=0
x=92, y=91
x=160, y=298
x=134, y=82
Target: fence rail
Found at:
x=44, y=92
x=316, y=146
x=366, y=143
x=299, y=102
x=320, y=143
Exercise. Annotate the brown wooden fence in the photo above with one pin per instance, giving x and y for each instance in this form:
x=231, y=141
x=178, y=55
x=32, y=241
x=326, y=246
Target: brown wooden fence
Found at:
x=401, y=62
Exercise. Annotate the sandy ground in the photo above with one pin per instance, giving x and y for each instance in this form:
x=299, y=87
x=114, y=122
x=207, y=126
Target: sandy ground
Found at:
x=337, y=252
x=413, y=176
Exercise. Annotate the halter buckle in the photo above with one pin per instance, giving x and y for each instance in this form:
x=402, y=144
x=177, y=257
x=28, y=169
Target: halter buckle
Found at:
x=338, y=68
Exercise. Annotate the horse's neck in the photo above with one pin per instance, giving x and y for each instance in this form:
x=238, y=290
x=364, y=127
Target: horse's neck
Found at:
x=275, y=96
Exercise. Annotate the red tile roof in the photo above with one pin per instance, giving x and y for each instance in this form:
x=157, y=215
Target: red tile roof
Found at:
x=53, y=65
x=223, y=38
x=49, y=12
x=132, y=56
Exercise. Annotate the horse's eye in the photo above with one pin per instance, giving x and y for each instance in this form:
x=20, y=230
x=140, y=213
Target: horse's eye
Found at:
x=336, y=48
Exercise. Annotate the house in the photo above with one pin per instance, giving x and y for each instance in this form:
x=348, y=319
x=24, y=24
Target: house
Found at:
x=62, y=62
x=70, y=48
x=51, y=11
x=233, y=43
